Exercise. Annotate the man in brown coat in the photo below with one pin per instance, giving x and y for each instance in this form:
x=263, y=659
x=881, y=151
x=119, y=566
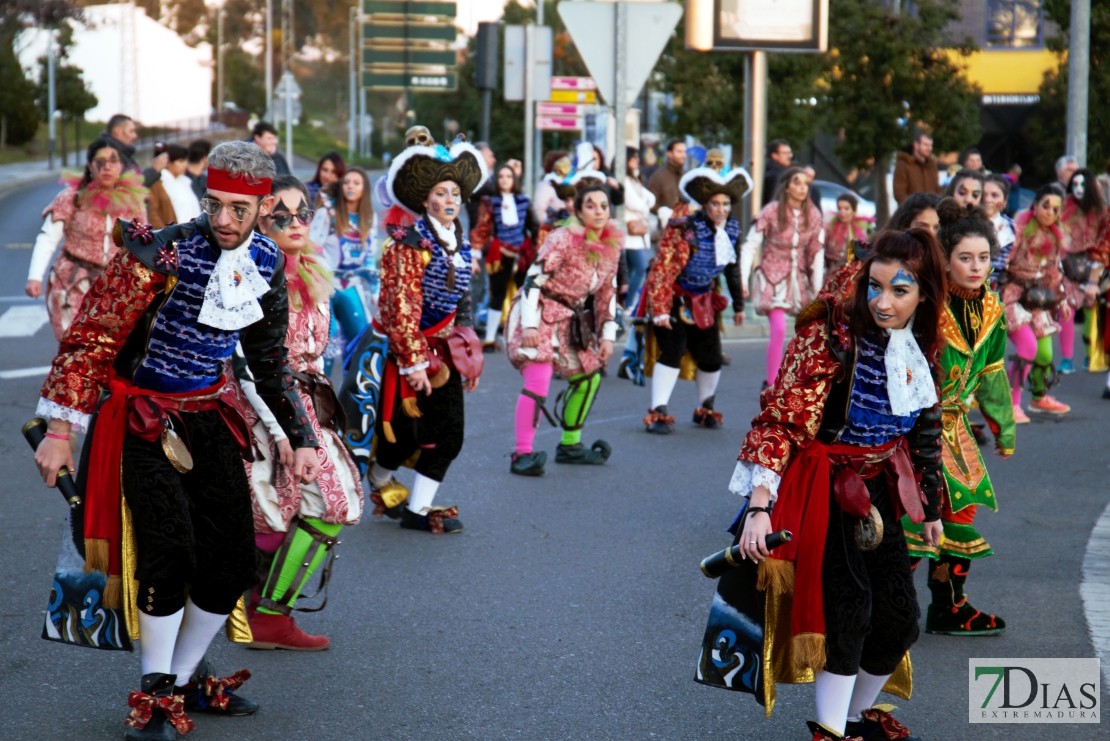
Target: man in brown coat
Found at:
x=917, y=172
x=664, y=181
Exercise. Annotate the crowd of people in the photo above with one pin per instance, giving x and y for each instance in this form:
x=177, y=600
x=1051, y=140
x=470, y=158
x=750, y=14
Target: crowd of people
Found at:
x=200, y=307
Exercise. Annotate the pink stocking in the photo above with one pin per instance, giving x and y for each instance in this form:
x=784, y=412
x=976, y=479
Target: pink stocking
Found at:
x=777, y=321
x=1025, y=342
x=1067, y=334
x=537, y=380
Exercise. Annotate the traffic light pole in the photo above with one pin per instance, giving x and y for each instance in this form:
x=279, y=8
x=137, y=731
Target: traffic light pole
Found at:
x=1079, y=67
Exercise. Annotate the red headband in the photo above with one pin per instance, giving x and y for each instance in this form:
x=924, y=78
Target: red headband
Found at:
x=225, y=181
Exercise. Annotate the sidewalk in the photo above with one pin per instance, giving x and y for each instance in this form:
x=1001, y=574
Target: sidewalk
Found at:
x=23, y=173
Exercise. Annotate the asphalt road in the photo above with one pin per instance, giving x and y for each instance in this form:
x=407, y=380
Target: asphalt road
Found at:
x=570, y=608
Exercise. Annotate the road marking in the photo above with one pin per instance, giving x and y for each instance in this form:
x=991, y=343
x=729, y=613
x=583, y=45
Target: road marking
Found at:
x=23, y=321
x=24, y=372
x=1095, y=589
x=19, y=245
x=17, y=299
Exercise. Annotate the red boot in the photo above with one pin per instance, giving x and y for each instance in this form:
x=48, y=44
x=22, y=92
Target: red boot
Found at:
x=281, y=631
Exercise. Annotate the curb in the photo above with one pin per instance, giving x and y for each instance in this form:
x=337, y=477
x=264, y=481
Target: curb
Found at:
x=1095, y=589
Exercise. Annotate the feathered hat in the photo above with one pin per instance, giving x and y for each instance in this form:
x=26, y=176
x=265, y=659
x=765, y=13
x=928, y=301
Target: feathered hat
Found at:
x=416, y=170
x=702, y=183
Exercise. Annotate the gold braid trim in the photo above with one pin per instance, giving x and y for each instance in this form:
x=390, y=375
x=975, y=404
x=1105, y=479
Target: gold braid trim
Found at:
x=776, y=575
x=809, y=651
x=96, y=555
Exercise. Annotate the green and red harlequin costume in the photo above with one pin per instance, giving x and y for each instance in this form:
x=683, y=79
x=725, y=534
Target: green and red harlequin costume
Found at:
x=974, y=328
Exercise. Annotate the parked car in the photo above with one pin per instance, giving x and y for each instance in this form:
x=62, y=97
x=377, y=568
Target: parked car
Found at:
x=830, y=191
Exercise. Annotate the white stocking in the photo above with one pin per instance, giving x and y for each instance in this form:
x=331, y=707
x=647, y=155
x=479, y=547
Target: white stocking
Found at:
x=379, y=476
x=865, y=693
x=493, y=321
x=157, y=636
x=834, y=693
x=663, y=379
x=197, y=631
x=423, y=492
x=707, y=384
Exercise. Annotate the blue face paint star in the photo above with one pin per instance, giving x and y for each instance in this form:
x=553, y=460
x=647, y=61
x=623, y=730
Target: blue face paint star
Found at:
x=904, y=278
x=872, y=293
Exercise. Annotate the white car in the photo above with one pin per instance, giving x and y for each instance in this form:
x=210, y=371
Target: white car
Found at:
x=830, y=191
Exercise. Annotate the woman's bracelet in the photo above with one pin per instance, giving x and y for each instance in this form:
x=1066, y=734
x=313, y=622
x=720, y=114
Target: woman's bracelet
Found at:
x=55, y=436
x=766, y=509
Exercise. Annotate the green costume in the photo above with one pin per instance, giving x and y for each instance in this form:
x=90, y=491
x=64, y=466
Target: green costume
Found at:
x=974, y=329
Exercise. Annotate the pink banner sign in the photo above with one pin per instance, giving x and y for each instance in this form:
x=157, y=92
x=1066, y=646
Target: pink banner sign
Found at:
x=573, y=83
x=557, y=109
x=560, y=123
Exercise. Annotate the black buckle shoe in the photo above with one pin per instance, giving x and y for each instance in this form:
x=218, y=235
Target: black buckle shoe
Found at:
x=878, y=725
x=205, y=693
x=438, y=520
x=528, y=464
x=157, y=714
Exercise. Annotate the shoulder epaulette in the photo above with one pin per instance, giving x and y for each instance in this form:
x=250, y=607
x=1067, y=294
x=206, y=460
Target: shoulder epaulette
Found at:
x=407, y=235
x=155, y=249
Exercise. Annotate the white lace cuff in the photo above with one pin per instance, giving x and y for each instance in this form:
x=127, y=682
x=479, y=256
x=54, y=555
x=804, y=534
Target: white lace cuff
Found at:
x=54, y=410
x=748, y=475
x=413, y=369
x=609, y=331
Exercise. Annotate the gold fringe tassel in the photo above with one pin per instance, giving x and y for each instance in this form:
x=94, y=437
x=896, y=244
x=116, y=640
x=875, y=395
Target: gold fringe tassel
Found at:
x=776, y=575
x=113, y=593
x=96, y=555
x=410, y=409
x=809, y=651
x=387, y=428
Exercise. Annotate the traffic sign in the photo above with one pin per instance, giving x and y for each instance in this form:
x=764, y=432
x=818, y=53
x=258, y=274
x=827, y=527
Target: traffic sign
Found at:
x=396, y=55
x=560, y=123
x=417, y=81
x=593, y=25
x=409, y=31
x=573, y=83
x=401, y=7
x=573, y=96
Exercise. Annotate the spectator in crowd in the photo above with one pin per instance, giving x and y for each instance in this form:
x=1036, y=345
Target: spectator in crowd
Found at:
x=650, y=162
x=814, y=193
x=916, y=171
x=329, y=169
x=613, y=189
x=172, y=200
x=545, y=197
x=664, y=182
x=121, y=132
x=157, y=164
x=196, y=166
x=517, y=167
x=637, y=221
x=972, y=160
x=1065, y=168
x=266, y=136
x=488, y=189
x=779, y=158
x=1013, y=189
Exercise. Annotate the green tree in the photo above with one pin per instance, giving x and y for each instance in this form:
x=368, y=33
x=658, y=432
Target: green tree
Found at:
x=1047, y=126
x=890, y=70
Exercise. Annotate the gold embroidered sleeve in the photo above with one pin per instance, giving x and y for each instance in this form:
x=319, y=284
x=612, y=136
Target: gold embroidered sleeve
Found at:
x=401, y=303
x=671, y=258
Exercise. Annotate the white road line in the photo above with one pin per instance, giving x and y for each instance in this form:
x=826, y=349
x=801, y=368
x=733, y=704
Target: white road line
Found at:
x=23, y=321
x=24, y=372
x=1095, y=589
x=18, y=299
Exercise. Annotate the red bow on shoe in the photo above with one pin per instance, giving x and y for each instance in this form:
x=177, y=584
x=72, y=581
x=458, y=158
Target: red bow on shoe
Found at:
x=654, y=416
x=173, y=706
x=379, y=504
x=436, y=516
x=217, y=689
x=892, y=729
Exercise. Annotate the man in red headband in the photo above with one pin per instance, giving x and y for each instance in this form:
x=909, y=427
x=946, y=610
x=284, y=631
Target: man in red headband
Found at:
x=167, y=502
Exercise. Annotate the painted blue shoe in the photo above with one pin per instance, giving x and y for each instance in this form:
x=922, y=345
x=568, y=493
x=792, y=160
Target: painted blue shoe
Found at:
x=1066, y=366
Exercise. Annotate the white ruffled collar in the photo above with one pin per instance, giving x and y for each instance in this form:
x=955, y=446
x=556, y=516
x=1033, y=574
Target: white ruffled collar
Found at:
x=723, y=247
x=231, y=296
x=909, y=383
x=509, y=216
x=446, y=235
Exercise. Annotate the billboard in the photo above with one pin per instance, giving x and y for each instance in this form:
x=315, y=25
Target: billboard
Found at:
x=757, y=25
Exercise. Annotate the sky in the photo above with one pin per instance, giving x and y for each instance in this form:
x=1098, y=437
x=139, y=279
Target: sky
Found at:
x=473, y=12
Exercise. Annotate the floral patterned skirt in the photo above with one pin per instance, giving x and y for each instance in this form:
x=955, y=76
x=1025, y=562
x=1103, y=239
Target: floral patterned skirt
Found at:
x=66, y=286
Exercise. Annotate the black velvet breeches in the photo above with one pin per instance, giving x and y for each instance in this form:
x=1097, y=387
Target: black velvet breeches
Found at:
x=194, y=528
x=871, y=610
x=499, y=282
x=437, y=433
x=704, y=344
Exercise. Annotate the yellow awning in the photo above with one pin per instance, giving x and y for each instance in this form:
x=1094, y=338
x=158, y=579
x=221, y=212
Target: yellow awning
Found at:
x=1008, y=72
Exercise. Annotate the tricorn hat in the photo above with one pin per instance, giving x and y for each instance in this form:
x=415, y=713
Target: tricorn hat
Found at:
x=702, y=183
x=567, y=185
x=416, y=170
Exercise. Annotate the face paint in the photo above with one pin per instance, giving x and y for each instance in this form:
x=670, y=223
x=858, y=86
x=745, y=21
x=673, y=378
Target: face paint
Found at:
x=872, y=293
x=904, y=278
x=1078, y=187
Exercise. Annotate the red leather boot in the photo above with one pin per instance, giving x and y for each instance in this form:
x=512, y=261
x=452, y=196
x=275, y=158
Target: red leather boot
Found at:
x=281, y=631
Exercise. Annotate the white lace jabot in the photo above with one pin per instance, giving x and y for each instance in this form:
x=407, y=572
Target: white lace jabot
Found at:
x=722, y=246
x=909, y=384
x=509, y=216
x=231, y=297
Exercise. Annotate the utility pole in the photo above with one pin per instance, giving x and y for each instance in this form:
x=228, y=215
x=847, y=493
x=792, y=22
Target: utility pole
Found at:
x=758, y=134
x=50, y=95
x=269, y=60
x=529, y=107
x=620, y=102
x=538, y=144
x=354, y=65
x=220, y=63
x=747, y=158
x=1079, y=66
x=287, y=48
